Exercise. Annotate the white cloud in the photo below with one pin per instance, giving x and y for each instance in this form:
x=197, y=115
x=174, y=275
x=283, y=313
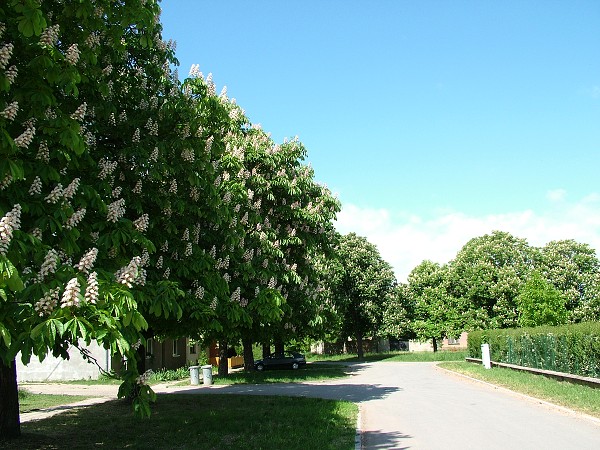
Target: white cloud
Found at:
x=406, y=240
x=556, y=195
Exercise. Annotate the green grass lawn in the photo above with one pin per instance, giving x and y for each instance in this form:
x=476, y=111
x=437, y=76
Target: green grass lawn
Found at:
x=312, y=372
x=580, y=398
x=395, y=356
x=181, y=421
x=31, y=402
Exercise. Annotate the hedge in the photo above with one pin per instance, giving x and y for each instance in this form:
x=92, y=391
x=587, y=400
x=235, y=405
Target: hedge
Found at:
x=573, y=349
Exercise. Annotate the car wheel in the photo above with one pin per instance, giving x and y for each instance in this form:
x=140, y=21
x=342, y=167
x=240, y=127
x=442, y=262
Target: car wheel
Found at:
x=295, y=365
x=260, y=367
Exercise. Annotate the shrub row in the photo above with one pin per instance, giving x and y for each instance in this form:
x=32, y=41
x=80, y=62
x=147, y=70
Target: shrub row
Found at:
x=573, y=349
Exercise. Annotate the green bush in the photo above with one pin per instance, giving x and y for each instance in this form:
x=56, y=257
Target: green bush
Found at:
x=571, y=349
x=162, y=375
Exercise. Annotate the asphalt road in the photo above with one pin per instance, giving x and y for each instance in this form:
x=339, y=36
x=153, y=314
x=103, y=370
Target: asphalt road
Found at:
x=420, y=406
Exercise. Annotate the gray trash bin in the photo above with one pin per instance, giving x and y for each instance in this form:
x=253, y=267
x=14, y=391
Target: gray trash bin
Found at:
x=207, y=374
x=194, y=375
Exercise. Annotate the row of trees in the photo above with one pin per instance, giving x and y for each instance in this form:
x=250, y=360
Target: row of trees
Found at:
x=134, y=205
x=496, y=281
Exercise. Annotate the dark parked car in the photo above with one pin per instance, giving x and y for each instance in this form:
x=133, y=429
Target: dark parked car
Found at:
x=285, y=360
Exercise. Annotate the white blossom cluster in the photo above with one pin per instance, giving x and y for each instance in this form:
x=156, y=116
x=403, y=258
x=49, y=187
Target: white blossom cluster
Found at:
x=93, y=40
x=187, y=155
x=136, y=136
x=87, y=261
x=154, y=155
x=36, y=186
x=10, y=111
x=194, y=193
x=188, y=249
x=5, y=54
x=6, y=181
x=116, y=210
x=91, y=290
x=210, y=85
x=47, y=303
x=49, y=36
x=116, y=192
x=137, y=189
x=11, y=74
x=106, y=168
x=159, y=262
x=222, y=263
x=167, y=273
x=71, y=296
x=71, y=189
x=25, y=138
x=36, y=233
x=152, y=127
x=248, y=254
x=209, y=143
x=43, y=153
x=199, y=294
x=143, y=378
x=75, y=218
x=173, y=187
x=49, y=265
x=196, y=237
x=79, y=113
x=8, y=224
x=72, y=54
x=127, y=275
x=236, y=295
x=195, y=71
x=55, y=195
x=141, y=223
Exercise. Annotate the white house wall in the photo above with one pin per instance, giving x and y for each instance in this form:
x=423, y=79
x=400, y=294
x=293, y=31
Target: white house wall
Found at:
x=58, y=369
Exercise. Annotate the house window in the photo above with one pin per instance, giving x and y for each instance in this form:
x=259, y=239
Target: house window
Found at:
x=175, y=347
x=149, y=348
x=192, y=348
x=453, y=341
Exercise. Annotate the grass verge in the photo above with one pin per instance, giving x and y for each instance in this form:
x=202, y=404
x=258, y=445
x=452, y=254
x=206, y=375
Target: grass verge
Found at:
x=312, y=372
x=395, y=356
x=32, y=402
x=584, y=399
x=181, y=421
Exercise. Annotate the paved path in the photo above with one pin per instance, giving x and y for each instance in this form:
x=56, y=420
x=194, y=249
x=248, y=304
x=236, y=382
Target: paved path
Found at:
x=420, y=406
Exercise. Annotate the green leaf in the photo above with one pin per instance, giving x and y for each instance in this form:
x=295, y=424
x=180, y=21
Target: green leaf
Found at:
x=5, y=334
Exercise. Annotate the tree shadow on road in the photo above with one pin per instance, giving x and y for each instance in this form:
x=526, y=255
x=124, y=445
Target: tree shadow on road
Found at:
x=350, y=392
x=385, y=440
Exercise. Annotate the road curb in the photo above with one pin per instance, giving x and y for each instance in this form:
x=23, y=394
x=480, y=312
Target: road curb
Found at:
x=358, y=435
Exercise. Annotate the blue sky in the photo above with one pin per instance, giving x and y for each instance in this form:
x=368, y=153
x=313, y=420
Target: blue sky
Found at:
x=433, y=121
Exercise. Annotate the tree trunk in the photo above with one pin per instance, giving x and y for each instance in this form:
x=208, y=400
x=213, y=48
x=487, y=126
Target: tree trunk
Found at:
x=248, y=355
x=359, y=347
x=279, y=346
x=266, y=349
x=435, y=346
x=10, y=425
x=223, y=362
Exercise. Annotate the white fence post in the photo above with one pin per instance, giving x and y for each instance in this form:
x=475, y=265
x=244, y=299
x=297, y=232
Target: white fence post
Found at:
x=485, y=356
